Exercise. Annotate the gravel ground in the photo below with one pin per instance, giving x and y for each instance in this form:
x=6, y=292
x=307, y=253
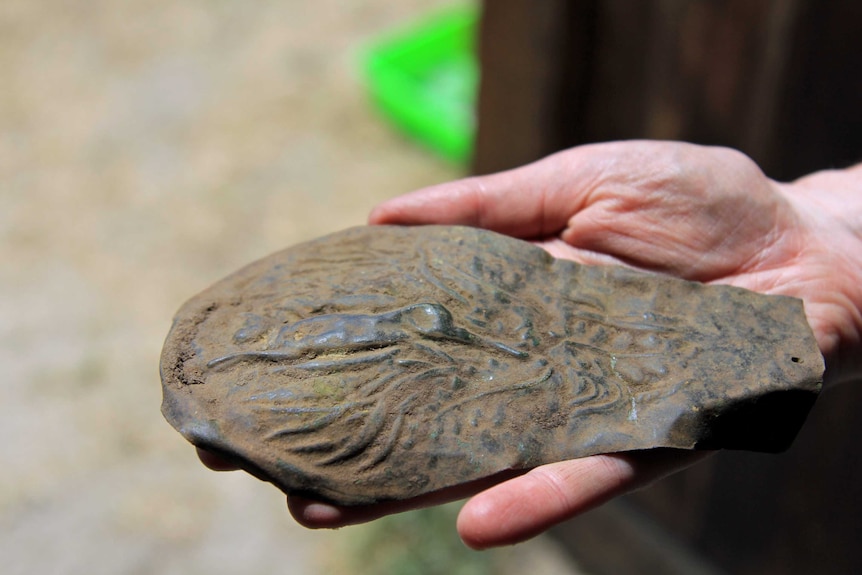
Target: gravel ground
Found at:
x=146, y=150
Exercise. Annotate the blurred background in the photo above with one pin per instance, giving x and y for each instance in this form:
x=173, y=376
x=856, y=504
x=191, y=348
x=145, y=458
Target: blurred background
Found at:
x=148, y=149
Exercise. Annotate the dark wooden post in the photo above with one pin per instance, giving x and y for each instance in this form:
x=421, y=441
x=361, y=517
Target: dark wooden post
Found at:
x=777, y=79
x=780, y=80
x=533, y=79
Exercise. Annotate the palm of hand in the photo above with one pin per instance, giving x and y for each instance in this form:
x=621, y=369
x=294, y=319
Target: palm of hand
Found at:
x=704, y=214
x=670, y=209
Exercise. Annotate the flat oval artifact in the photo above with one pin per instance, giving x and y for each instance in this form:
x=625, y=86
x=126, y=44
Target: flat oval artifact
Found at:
x=382, y=363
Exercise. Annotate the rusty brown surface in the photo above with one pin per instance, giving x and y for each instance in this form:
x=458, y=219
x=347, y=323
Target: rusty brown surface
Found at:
x=384, y=363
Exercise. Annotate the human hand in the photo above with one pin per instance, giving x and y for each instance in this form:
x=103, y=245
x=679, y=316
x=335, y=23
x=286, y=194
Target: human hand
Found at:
x=700, y=213
x=705, y=214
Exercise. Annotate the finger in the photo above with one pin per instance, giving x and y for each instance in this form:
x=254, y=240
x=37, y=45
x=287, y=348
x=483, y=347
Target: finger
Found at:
x=317, y=515
x=525, y=506
x=533, y=201
x=560, y=249
x=215, y=462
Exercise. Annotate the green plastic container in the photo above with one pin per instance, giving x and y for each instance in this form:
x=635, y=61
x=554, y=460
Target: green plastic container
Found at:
x=425, y=81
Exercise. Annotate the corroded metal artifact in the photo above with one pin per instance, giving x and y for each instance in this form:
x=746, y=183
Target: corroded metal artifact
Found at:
x=387, y=362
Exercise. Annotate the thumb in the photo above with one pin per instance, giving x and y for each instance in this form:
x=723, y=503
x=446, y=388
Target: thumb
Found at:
x=533, y=201
x=525, y=506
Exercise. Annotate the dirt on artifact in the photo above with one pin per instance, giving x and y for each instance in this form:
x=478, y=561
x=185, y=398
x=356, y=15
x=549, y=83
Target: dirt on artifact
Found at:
x=384, y=363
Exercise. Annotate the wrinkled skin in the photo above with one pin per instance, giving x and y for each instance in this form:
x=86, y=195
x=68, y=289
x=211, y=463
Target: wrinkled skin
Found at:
x=705, y=214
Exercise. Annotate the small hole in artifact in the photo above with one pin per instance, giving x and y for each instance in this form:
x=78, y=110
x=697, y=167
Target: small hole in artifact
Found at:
x=795, y=360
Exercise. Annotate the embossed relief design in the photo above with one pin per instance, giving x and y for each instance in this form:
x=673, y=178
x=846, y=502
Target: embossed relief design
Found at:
x=415, y=360
x=369, y=368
